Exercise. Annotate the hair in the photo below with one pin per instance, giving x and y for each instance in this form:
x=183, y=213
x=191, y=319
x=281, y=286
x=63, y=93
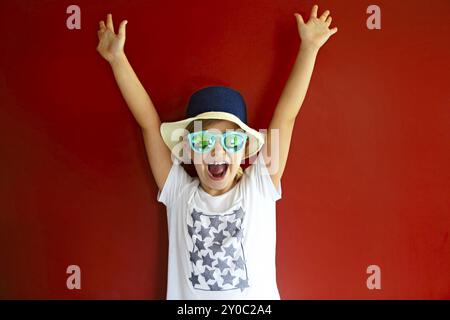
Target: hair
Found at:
x=205, y=123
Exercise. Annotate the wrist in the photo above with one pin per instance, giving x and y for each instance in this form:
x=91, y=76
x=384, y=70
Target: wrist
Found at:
x=309, y=48
x=118, y=59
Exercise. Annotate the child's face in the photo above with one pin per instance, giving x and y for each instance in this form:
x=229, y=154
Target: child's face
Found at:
x=210, y=174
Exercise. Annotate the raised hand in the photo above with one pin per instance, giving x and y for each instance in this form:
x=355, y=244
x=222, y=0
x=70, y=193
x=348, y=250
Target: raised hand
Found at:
x=111, y=45
x=316, y=31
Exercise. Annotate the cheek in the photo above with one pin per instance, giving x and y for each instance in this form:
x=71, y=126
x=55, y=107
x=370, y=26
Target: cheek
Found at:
x=201, y=170
x=200, y=167
x=198, y=159
x=236, y=158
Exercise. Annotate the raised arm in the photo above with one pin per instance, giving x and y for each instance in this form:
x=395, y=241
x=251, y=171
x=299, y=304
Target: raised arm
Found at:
x=313, y=34
x=111, y=47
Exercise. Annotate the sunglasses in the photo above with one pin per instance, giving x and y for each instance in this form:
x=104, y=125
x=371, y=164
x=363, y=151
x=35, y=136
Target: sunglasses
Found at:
x=203, y=141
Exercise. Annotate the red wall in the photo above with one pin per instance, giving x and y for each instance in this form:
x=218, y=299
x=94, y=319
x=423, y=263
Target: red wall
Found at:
x=367, y=180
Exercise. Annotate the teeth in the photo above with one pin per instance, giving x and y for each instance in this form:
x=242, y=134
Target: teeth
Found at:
x=223, y=162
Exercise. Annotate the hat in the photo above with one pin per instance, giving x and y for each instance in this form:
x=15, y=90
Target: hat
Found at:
x=213, y=102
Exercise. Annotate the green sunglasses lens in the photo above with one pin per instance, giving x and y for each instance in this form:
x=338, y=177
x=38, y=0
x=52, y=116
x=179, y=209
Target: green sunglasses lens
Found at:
x=234, y=141
x=201, y=141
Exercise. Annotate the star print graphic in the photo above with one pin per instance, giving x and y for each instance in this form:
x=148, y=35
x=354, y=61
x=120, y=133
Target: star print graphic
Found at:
x=238, y=234
x=216, y=248
x=215, y=222
x=221, y=264
x=208, y=274
x=242, y=284
x=196, y=216
x=217, y=241
x=207, y=260
x=205, y=232
x=228, y=278
x=191, y=230
x=194, y=279
x=215, y=287
x=231, y=227
x=229, y=251
x=199, y=244
x=219, y=236
x=239, y=213
x=239, y=263
x=194, y=256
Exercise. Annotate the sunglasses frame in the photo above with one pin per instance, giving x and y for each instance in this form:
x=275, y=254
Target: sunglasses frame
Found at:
x=223, y=136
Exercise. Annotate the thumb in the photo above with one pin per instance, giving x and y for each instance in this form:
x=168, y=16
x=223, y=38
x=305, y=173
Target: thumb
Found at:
x=333, y=31
x=122, y=28
x=299, y=18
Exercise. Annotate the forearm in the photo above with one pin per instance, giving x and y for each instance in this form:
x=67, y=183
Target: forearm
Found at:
x=134, y=94
x=297, y=84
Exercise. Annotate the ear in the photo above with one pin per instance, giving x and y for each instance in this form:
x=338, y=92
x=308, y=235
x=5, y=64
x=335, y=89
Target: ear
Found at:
x=186, y=151
x=247, y=145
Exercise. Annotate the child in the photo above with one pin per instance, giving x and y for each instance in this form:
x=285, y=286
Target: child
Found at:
x=221, y=223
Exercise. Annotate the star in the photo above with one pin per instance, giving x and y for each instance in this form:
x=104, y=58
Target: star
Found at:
x=215, y=222
x=196, y=215
x=239, y=263
x=207, y=260
x=221, y=264
x=242, y=284
x=199, y=244
x=191, y=230
x=194, y=279
x=204, y=232
x=194, y=256
x=229, y=251
x=231, y=227
x=208, y=274
x=239, y=234
x=215, y=248
x=214, y=287
x=219, y=236
x=239, y=213
x=228, y=278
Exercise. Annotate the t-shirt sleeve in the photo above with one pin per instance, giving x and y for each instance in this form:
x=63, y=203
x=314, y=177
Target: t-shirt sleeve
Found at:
x=257, y=179
x=177, y=181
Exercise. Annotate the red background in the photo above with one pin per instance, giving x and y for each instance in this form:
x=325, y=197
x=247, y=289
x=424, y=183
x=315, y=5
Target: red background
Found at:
x=367, y=180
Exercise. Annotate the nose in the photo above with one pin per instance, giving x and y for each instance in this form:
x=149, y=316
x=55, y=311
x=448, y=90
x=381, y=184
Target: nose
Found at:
x=218, y=149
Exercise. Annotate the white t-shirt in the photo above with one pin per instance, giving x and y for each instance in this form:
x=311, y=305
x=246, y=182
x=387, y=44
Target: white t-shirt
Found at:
x=221, y=247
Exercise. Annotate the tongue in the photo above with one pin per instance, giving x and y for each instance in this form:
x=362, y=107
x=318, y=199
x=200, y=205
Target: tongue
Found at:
x=217, y=169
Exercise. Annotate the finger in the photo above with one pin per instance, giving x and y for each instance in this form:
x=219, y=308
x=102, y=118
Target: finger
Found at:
x=333, y=31
x=314, y=11
x=328, y=21
x=100, y=35
x=122, y=28
x=299, y=18
x=101, y=25
x=324, y=15
x=109, y=22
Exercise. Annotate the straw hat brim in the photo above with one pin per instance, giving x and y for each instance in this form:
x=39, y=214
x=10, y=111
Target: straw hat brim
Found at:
x=173, y=132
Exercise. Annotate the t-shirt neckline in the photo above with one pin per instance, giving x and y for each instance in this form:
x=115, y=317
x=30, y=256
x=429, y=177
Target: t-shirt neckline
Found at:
x=220, y=195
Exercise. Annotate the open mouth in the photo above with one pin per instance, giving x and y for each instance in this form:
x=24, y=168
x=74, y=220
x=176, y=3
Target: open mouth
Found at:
x=217, y=170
